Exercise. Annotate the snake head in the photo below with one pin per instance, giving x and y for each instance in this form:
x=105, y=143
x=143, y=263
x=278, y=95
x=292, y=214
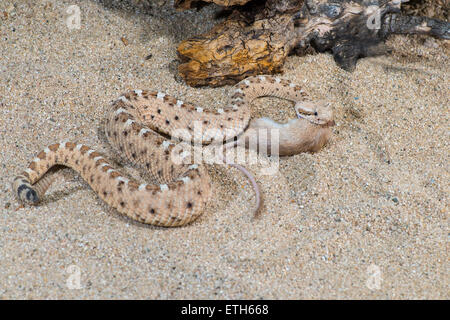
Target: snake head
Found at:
x=317, y=112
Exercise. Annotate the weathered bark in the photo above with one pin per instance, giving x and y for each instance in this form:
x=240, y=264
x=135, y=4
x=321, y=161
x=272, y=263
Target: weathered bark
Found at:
x=356, y=29
x=258, y=38
x=256, y=41
x=236, y=49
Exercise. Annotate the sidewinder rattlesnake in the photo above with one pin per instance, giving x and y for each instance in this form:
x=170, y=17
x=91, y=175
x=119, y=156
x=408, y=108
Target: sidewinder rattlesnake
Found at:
x=138, y=125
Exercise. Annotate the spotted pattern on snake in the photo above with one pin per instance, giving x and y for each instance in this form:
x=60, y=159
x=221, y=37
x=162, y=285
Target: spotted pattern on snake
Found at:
x=136, y=126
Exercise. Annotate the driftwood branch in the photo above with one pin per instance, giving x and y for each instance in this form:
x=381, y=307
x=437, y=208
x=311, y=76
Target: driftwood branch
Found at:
x=257, y=38
x=401, y=24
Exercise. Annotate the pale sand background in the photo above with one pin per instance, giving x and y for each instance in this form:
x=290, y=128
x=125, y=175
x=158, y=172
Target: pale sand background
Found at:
x=377, y=194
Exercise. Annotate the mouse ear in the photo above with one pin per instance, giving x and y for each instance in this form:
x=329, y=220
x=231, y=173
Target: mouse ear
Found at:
x=304, y=107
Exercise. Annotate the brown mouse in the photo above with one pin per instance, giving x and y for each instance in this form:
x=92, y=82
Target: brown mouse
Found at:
x=309, y=132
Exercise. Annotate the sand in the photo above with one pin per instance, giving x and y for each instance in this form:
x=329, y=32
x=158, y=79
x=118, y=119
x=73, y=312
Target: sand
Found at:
x=366, y=217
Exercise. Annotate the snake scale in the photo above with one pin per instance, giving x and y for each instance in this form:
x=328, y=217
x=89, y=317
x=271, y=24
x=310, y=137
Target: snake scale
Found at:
x=140, y=125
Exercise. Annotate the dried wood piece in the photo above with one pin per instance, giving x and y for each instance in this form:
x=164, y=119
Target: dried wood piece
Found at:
x=235, y=49
x=257, y=39
x=250, y=42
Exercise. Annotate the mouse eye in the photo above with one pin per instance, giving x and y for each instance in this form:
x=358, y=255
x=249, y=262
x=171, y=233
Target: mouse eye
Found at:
x=315, y=113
